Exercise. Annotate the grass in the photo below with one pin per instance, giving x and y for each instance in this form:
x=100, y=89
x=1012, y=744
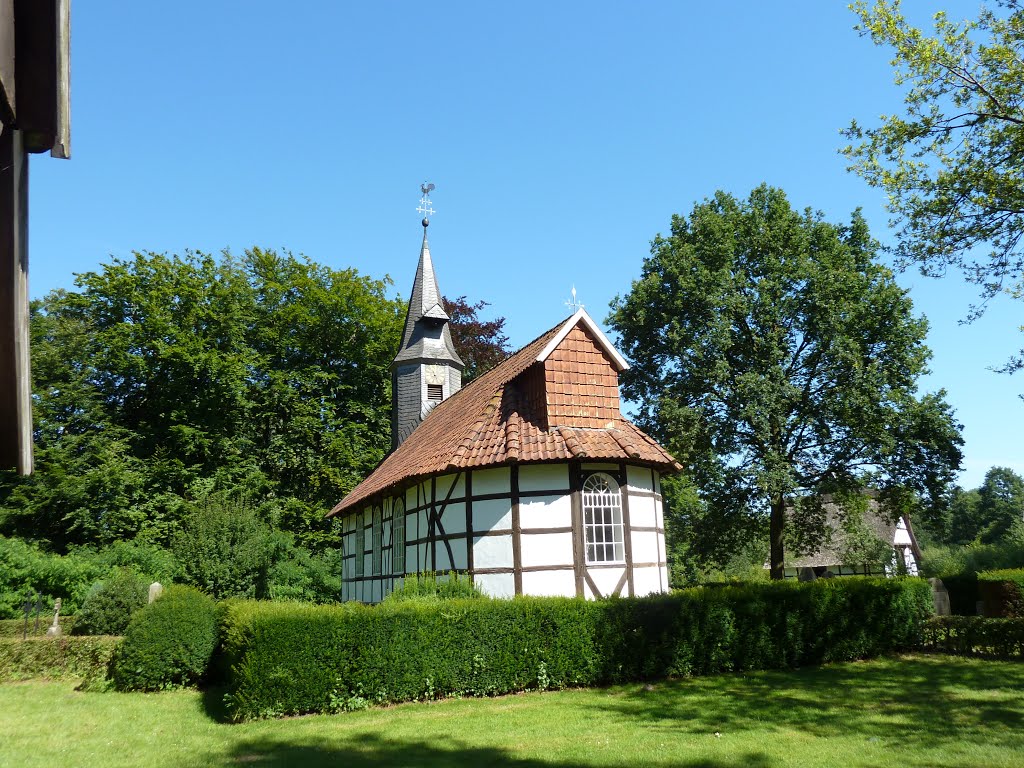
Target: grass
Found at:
x=913, y=711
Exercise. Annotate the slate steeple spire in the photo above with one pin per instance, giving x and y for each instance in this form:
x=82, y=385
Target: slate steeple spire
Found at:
x=427, y=369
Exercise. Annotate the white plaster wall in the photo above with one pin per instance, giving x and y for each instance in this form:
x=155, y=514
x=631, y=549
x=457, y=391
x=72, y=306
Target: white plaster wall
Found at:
x=443, y=565
x=642, y=511
x=546, y=549
x=645, y=581
x=492, y=552
x=639, y=477
x=491, y=481
x=444, y=483
x=605, y=579
x=421, y=523
x=460, y=554
x=645, y=547
x=561, y=583
x=492, y=514
x=546, y=511
x=454, y=517
x=543, y=477
x=423, y=557
x=902, y=536
x=496, y=584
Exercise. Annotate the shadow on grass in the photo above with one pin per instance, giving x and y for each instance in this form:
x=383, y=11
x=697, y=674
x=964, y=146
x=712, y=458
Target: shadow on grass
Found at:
x=917, y=700
x=376, y=752
x=213, y=703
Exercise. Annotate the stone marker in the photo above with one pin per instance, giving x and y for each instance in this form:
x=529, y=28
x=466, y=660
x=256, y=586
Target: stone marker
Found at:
x=55, y=630
x=155, y=590
x=940, y=597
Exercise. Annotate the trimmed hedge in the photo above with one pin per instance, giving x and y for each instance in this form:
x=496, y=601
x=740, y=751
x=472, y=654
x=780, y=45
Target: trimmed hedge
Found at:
x=14, y=628
x=60, y=657
x=292, y=659
x=975, y=636
x=1002, y=593
x=109, y=606
x=169, y=643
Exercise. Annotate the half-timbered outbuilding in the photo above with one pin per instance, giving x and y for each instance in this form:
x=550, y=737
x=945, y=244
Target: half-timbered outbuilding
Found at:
x=529, y=479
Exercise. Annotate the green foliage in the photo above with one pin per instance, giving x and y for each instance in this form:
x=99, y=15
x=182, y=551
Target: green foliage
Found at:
x=162, y=379
x=291, y=658
x=17, y=628
x=975, y=636
x=943, y=561
x=26, y=570
x=1002, y=593
x=60, y=657
x=109, y=606
x=777, y=358
x=950, y=163
x=169, y=643
x=431, y=587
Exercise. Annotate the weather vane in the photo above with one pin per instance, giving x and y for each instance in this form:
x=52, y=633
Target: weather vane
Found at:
x=426, y=208
x=572, y=303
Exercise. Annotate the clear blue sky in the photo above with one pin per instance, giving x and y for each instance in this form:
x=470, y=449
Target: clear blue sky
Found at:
x=561, y=138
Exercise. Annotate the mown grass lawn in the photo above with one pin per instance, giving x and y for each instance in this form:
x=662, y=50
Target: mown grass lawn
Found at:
x=912, y=711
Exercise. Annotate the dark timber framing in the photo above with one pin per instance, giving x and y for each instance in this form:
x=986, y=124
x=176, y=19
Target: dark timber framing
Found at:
x=578, y=544
x=627, y=530
x=517, y=531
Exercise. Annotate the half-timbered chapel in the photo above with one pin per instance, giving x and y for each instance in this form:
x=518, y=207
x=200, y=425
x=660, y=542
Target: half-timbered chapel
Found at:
x=529, y=479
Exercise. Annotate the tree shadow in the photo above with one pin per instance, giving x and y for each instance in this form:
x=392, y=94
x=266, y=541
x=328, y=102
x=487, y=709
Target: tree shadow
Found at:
x=917, y=701
x=371, y=751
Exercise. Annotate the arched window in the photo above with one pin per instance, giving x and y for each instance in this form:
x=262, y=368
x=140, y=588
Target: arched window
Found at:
x=359, y=546
x=602, y=520
x=398, y=538
x=378, y=537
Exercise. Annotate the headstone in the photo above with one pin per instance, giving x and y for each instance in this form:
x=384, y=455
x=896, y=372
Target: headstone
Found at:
x=940, y=597
x=155, y=590
x=55, y=630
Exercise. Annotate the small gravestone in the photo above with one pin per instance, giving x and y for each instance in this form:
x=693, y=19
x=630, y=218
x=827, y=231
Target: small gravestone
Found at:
x=55, y=630
x=940, y=597
x=155, y=590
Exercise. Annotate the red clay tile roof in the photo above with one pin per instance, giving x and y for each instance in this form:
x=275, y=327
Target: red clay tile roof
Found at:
x=523, y=410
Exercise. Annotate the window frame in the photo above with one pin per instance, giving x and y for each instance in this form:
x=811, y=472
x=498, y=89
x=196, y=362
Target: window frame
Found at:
x=377, y=542
x=604, y=530
x=359, y=546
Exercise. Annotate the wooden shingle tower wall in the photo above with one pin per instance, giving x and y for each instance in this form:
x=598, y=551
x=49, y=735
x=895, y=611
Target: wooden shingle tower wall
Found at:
x=427, y=370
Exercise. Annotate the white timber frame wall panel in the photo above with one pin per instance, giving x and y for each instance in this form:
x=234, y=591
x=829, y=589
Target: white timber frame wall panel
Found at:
x=515, y=529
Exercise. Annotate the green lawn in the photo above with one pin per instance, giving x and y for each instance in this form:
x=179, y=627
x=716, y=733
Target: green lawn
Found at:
x=915, y=711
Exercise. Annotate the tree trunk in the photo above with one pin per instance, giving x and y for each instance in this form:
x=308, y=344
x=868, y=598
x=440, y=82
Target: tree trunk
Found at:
x=777, y=526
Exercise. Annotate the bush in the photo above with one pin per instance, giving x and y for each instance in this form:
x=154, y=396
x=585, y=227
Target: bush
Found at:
x=109, y=606
x=429, y=587
x=18, y=628
x=56, y=657
x=27, y=570
x=292, y=659
x=975, y=636
x=169, y=643
x=1002, y=593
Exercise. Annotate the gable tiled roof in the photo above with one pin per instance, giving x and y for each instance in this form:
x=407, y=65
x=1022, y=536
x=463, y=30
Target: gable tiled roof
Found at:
x=502, y=418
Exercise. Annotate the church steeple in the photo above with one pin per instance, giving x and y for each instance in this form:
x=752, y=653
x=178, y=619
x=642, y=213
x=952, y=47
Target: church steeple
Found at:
x=427, y=369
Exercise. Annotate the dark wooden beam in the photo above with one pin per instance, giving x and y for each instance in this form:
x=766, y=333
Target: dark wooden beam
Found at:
x=15, y=378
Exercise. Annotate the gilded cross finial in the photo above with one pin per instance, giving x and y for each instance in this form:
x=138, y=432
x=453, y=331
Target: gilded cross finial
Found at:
x=426, y=208
x=573, y=303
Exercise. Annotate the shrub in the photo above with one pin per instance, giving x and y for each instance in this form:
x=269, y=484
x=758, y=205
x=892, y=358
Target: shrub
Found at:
x=169, y=643
x=429, y=587
x=291, y=659
x=109, y=606
x=60, y=657
x=1002, y=593
x=975, y=636
x=26, y=570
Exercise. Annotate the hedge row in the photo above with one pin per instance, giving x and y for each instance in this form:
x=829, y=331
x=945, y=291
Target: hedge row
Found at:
x=291, y=659
x=1002, y=593
x=62, y=657
x=975, y=636
x=16, y=627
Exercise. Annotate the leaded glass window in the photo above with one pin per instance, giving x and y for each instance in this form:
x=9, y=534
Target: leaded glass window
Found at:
x=398, y=537
x=359, y=547
x=378, y=540
x=602, y=520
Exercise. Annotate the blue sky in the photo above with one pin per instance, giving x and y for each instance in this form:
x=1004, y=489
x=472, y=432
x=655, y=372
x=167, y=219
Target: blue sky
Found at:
x=561, y=138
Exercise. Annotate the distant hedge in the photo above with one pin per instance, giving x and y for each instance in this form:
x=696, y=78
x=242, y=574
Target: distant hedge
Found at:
x=1002, y=593
x=62, y=657
x=975, y=636
x=291, y=658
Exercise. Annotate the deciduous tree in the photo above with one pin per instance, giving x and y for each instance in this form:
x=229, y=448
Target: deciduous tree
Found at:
x=779, y=359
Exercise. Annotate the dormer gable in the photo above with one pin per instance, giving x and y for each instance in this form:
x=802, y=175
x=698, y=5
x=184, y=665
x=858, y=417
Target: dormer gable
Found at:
x=581, y=376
